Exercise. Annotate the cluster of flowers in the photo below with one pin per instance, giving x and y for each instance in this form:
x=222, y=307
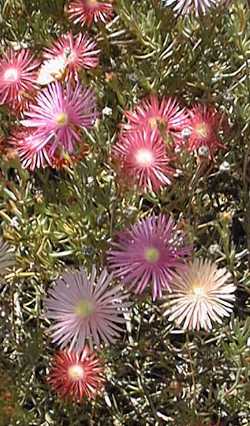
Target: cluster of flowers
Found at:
x=51, y=118
x=89, y=312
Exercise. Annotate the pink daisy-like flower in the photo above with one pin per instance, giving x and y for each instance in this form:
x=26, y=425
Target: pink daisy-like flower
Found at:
x=200, y=294
x=76, y=375
x=147, y=254
x=199, y=7
x=164, y=116
x=89, y=11
x=85, y=310
x=18, y=73
x=30, y=147
x=204, y=126
x=79, y=52
x=141, y=158
x=59, y=113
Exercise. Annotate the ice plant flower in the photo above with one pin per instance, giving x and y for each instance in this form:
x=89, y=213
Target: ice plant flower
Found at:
x=18, y=74
x=200, y=294
x=141, y=158
x=74, y=376
x=199, y=7
x=84, y=310
x=204, y=125
x=52, y=70
x=60, y=113
x=78, y=52
x=164, y=115
x=147, y=254
x=90, y=11
x=6, y=257
x=33, y=152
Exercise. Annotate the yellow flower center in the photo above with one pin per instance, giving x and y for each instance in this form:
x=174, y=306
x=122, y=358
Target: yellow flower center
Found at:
x=11, y=74
x=91, y=2
x=84, y=308
x=152, y=255
x=144, y=157
x=155, y=122
x=76, y=372
x=202, y=130
x=62, y=119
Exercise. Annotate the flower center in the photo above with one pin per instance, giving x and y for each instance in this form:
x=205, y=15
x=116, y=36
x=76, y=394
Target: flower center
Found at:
x=91, y=2
x=154, y=122
x=76, y=372
x=198, y=291
x=84, y=308
x=11, y=74
x=144, y=157
x=62, y=118
x=202, y=130
x=152, y=254
x=70, y=55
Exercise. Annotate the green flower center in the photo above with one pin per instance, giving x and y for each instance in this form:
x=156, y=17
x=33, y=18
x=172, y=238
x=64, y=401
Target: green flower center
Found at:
x=152, y=255
x=62, y=119
x=84, y=308
x=76, y=372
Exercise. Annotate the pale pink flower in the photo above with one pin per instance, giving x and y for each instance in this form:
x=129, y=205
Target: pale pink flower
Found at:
x=18, y=74
x=147, y=254
x=199, y=7
x=89, y=11
x=200, y=294
x=52, y=70
x=60, y=113
x=78, y=52
x=165, y=116
x=141, y=159
x=84, y=310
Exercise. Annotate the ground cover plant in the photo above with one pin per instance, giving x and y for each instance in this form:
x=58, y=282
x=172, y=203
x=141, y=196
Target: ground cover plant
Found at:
x=125, y=212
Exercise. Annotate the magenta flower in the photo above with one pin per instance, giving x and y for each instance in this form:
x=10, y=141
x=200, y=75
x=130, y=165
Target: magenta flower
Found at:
x=199, y=7
x=18, y=73
x=147, y=254
x=60, y=113
x=79, y=52
x=85, y=310
x=89, y=11
x=141, y=158
x=165, y=116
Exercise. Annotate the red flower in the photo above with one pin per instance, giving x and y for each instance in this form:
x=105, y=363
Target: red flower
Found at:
x=141, y=157
x=164, y=115
x=18, y=74
x=204, y=126
x=89, y=11
x=76, y=375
